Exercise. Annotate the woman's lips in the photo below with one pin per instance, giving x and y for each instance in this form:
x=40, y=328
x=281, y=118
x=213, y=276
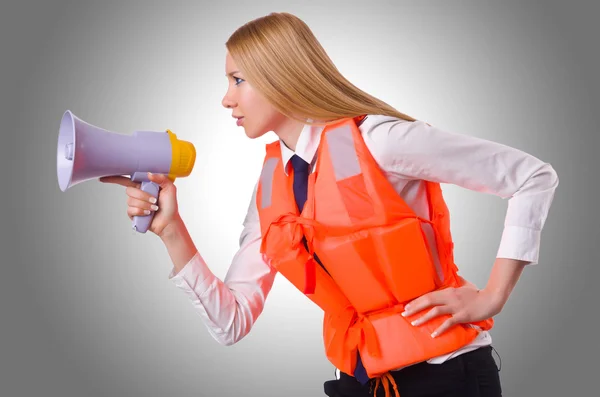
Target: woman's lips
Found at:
x=240, y=121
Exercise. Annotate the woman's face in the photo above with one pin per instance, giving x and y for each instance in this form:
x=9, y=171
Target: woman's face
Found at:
x=258, y=116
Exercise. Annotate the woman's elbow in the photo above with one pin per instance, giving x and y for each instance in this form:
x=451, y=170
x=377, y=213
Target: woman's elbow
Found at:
x=551, y=177
x=229, y=338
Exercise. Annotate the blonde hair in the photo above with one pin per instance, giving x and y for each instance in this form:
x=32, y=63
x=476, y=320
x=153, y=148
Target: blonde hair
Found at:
x=282, y=59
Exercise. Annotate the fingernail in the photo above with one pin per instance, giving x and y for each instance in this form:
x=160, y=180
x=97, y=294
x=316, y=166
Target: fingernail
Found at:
x=149, y=174
x=152, y=200
x=416, y=322
x=434, y=334
x=154, y=207
x=147, y=212
x=404, y=313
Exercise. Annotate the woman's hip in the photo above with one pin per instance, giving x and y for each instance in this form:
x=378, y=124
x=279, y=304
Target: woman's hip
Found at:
x=470, y=374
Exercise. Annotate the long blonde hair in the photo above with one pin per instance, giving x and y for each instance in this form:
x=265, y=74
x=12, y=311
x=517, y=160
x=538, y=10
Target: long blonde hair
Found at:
x=282, y=59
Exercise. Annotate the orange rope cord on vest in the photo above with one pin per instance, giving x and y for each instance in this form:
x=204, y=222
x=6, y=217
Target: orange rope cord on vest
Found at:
x=385, y=380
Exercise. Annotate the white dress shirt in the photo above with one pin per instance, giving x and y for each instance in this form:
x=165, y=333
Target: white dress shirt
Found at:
x=408, y=153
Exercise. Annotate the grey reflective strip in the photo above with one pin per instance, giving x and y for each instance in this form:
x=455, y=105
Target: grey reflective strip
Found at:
x=430, y=235
x=342, y=152
x=266, y=180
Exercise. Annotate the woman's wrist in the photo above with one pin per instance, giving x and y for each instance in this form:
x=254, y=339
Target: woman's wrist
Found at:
x=178, y=242
x=172, y=229
x=503, y=278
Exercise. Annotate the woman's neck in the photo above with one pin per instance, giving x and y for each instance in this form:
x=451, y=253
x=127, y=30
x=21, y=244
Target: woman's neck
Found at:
x=289, y=132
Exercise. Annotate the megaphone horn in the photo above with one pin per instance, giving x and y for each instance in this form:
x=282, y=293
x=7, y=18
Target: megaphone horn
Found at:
x=88, y=152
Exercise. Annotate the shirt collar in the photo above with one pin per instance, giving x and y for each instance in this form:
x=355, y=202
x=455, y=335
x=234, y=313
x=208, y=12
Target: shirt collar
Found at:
x=306, y=147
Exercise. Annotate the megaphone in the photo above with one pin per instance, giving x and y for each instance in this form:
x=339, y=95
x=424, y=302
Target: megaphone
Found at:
x=88, y=152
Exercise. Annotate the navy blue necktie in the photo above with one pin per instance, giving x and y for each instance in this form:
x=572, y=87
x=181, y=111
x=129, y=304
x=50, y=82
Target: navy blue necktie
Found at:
x=301, y=172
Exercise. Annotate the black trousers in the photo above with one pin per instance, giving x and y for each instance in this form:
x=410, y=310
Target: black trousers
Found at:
x=472, y=374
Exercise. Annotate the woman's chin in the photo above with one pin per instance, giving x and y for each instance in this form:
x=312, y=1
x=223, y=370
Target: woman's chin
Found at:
x=253, y=134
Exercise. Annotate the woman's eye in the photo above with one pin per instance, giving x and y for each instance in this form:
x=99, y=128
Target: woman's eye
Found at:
x=236, y=80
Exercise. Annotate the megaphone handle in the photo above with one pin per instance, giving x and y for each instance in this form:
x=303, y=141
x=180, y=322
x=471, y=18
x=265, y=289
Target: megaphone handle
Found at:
x=142, y=223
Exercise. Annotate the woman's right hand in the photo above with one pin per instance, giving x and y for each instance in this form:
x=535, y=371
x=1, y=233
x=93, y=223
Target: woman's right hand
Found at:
x=138, y=201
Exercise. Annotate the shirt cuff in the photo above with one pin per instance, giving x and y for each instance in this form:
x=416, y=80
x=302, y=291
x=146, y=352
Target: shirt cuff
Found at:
x=195, y=277
x=521, y=243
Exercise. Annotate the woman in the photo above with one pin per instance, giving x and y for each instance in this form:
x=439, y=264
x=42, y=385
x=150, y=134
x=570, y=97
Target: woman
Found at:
x=281, y=80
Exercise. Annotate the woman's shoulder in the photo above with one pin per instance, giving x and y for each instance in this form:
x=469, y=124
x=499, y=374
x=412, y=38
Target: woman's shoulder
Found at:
x=387, y=135
x=383, y=118
x=384, y=122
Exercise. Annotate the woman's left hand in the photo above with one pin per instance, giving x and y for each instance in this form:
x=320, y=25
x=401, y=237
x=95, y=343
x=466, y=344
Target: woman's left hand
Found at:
x=465, y=304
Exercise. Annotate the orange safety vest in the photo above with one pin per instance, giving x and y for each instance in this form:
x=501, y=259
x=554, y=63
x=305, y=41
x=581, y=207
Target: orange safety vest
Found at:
x=373, y=247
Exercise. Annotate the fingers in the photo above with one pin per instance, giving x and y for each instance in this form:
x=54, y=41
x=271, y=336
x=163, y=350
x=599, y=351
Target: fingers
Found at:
x=139, y=208
x=435, y=312
x=424, y=301
x=119, y=180
x=141, y=204
x=457, y=318
x=137, y=193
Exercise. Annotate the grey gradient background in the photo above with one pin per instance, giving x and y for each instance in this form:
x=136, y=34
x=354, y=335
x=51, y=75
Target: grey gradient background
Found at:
x=86, y=306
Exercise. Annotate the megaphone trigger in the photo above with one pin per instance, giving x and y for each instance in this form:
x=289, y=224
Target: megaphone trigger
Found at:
x=142, y=223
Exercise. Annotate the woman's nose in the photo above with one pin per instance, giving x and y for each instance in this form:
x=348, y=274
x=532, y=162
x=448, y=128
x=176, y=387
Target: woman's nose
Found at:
x=228, y=102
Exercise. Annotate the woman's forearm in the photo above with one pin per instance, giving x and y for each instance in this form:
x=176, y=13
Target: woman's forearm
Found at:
x=503, y=278
x=179, y=243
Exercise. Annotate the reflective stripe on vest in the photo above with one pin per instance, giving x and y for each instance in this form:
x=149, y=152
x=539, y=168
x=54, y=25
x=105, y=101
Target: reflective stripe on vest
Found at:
x=348, y=174
x=343, y=153
x=266, y=179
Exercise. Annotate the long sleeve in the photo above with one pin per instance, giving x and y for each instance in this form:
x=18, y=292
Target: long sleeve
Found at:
x=416, y=150
x=230, y=308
